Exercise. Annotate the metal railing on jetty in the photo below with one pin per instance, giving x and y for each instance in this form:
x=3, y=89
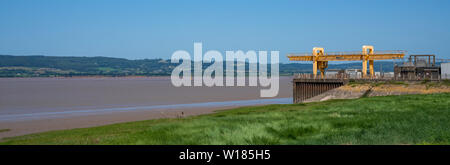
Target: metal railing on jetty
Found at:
x=381, y=77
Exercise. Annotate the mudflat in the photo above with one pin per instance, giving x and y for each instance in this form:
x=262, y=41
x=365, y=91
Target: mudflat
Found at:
x=30, y=105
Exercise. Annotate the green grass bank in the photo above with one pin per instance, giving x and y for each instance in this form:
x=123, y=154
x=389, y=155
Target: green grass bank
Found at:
x=405, y=119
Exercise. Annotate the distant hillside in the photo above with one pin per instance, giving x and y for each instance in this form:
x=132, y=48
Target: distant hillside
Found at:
x=51, y=66
x=45, y=66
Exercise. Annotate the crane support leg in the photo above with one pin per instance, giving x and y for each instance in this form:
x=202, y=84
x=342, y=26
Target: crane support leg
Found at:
x=322, y=65
x=371, y=68
x=322, y=72
x=315, y=63
x=364, y=68
x=367, y=50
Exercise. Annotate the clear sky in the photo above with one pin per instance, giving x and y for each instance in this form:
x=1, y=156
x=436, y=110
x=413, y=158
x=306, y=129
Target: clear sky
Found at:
x=155, y=29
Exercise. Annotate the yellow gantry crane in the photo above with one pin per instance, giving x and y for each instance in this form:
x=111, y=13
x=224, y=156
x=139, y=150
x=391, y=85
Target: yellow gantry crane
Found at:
x=320, y=58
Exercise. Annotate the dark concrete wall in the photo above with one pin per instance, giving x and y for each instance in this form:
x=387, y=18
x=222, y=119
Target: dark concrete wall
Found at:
x=306, y=89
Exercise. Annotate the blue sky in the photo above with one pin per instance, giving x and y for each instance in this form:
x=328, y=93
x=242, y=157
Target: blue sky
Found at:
x=155, y=29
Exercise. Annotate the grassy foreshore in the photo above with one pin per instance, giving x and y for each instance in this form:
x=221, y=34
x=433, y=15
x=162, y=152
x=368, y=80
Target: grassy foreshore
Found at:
x=406, y=119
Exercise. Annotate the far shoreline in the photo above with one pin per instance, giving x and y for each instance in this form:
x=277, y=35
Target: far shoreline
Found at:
x=75, y=77
x=88, y=77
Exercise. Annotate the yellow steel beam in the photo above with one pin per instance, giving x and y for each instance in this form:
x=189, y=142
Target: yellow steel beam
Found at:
x=347, y=57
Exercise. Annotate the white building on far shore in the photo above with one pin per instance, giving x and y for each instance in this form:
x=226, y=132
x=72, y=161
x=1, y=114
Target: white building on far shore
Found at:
x=445, y=70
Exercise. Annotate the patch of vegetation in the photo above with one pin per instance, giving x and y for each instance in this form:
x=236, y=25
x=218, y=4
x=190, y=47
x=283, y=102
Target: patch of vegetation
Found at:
x=425, y=81
x=406, y=119
x=397, y=83
x=48, y=66
x=446, y=82
x=375, y=84
x=4, y=130
x=354, y=83
x=434, y=84
x=366, y=93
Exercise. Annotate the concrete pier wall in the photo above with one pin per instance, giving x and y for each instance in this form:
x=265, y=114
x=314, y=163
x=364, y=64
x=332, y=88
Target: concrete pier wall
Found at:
x=307, y=88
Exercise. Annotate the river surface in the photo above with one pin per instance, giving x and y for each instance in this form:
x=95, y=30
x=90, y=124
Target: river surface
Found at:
x=46, y=98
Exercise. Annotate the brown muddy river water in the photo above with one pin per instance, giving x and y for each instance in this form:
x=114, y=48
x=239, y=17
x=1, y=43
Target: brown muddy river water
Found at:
x=38, y=104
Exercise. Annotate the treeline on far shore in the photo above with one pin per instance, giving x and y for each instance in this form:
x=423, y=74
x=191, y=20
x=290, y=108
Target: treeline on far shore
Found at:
x=53, y=66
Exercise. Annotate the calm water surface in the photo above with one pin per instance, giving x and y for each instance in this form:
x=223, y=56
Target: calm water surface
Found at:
x=38, y=98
